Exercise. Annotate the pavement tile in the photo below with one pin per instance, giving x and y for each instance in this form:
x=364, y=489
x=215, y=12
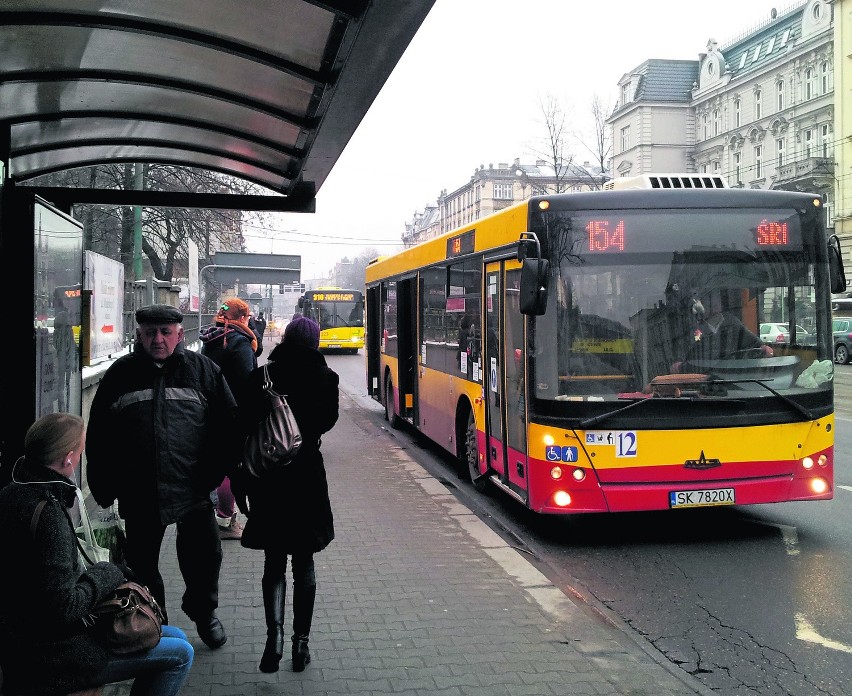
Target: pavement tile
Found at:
x=415, y=596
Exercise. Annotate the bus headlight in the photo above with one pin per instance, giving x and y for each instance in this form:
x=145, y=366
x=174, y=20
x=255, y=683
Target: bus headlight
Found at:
x=548, y=439
x=556, y=473
x=578, y=474
x=819, y=486
x=823, y=460
x=562, y=499
x=808, y=463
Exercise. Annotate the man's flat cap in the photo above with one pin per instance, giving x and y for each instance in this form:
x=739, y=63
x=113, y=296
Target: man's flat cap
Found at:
x=159, y=314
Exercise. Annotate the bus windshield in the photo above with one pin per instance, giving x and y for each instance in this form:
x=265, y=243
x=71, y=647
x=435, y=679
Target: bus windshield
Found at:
x=709, y=302
x=335, y=309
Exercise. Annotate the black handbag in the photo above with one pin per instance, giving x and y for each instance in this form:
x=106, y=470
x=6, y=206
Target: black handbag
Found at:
x=275, y=439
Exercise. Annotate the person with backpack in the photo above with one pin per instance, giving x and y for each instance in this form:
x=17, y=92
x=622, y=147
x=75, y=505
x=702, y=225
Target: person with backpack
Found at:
x=289, y=511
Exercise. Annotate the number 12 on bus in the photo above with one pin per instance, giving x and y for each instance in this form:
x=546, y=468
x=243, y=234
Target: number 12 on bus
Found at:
x=601, y=351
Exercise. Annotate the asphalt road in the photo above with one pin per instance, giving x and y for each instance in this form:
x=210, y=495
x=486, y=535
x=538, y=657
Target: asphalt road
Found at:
x=750, y=600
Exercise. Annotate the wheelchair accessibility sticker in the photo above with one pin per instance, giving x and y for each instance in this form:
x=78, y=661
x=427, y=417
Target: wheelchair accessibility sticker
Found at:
x=624, y=441
x=555, y=453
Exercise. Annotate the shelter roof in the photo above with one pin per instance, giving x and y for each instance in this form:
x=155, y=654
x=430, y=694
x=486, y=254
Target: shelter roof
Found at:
x=266, y=90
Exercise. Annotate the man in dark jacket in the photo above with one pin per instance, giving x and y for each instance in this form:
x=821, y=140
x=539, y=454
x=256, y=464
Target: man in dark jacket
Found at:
x=155, y=443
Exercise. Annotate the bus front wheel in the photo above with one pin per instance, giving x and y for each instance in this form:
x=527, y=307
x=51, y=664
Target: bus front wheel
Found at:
x=471, y=449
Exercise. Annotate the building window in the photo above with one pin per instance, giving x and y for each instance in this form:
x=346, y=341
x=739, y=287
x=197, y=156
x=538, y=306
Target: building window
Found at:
x=809, y=138
x=706, y=127
x=784, y=38
x=809, y=84
x=823, y=69
x=625, y=138
x=738, y=162
x=758, y=162
x=717, y=122
x=825, y=142
x=771, y=45
x=758, y=104
x=737, y=112
x=779, y=146
x=625, y=93
x=503, y=192
x=716, y=167
x=780, y=95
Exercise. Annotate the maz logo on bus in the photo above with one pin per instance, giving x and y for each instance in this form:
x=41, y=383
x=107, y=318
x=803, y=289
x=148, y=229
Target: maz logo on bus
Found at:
x=604, y=236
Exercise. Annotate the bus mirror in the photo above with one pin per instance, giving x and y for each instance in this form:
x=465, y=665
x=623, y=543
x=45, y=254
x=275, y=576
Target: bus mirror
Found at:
x=526, y=249
x=300, y=302
x=837, y=274
x=535, y=277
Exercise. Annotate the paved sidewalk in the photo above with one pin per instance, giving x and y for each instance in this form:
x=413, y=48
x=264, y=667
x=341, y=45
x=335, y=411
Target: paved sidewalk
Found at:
x=415, y=596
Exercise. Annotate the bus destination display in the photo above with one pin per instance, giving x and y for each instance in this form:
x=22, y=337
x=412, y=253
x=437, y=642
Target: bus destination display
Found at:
x=639, y=232
x=333, y=297
x=461, y=244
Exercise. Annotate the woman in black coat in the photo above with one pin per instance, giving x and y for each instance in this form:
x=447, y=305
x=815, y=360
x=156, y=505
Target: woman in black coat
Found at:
x=289, y=512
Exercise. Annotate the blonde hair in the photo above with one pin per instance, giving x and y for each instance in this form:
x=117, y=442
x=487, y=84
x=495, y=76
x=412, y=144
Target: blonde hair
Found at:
x=51, y=437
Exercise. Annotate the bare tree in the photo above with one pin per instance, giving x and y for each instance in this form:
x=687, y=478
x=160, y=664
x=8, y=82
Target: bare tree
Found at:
x=350, y=271
x=552, y=148
x=109, y=230
x=599, y=141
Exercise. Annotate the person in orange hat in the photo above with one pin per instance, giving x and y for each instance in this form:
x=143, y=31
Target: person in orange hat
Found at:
x=232, y=345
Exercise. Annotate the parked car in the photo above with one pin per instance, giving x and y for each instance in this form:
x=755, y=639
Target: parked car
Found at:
x=779, y=332
x=842, y=329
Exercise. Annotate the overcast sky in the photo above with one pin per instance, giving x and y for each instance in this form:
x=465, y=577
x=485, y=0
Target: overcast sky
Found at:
x=466, y=93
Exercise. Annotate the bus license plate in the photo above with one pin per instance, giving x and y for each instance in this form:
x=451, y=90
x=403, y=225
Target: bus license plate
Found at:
x=334, y=345
x=701, y=498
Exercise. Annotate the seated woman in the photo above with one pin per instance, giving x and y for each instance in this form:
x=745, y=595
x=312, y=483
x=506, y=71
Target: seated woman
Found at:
x=45, y=647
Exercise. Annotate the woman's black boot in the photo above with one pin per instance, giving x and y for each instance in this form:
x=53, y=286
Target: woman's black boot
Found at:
x=301, y=654
x=273, y=609
x=304, y=594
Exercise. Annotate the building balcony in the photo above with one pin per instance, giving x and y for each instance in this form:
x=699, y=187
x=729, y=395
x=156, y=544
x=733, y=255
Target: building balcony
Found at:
x=808, y=174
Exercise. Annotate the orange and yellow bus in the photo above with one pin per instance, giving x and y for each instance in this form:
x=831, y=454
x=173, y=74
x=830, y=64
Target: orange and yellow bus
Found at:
x=340, y=314
x=599, y=351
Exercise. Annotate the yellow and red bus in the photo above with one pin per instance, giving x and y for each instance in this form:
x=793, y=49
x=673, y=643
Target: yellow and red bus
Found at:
x=340, y=314
x=565, y=349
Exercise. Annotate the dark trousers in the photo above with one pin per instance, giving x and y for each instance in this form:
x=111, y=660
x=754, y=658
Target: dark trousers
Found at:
x=199, y=554
x=304, y=586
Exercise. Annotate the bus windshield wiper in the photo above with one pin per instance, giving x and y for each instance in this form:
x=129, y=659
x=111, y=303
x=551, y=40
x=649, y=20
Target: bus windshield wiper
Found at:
x=345, y=323
x=795, y=405
x=582, y=425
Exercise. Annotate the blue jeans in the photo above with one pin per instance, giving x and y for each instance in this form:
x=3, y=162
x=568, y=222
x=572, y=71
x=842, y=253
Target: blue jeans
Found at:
x=160, y=671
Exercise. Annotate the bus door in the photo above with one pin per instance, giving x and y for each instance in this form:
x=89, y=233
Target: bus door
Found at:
x=504, y=365
x=407, y=332
x=493, y=377
x=372, y=335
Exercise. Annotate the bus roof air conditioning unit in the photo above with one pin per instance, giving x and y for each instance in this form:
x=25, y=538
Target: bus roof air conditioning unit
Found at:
x=667, y=181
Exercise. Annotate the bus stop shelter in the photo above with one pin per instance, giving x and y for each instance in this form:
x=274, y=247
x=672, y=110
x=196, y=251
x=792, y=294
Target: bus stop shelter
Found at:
x=266, y=90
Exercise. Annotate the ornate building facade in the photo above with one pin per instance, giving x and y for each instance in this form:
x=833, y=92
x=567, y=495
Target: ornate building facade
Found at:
x=758, y=110
x=493, y=188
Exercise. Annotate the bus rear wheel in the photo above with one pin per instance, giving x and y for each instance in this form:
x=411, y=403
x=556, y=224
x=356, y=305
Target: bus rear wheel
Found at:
x=471, y=451
x=390, y=413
